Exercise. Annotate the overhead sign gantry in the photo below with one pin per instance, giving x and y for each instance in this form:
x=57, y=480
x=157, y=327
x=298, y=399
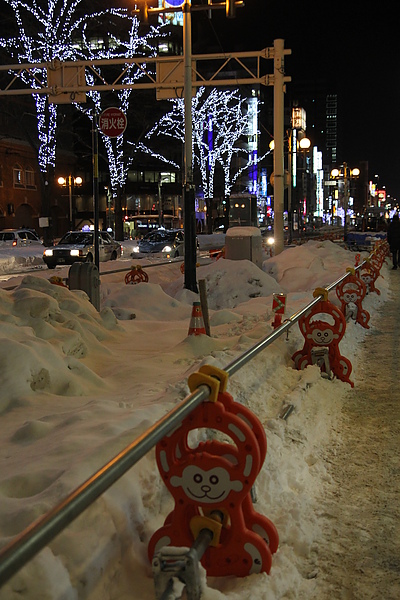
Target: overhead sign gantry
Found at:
x=68, y=80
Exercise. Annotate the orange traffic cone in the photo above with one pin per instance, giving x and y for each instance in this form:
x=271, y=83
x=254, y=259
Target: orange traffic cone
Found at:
x=196, y=326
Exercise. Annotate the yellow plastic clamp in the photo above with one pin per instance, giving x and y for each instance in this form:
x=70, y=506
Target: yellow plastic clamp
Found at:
x=216, y=379
x=321, y=292
x=351, y=270
x=198, y=522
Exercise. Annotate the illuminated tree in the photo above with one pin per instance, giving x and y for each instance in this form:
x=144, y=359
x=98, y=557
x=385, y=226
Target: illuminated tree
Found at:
x=46, y=31
x=60, y=30
x=220, y=123
x=120, y=151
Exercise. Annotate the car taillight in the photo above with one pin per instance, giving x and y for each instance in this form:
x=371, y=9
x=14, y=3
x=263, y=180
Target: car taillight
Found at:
x=14, y=242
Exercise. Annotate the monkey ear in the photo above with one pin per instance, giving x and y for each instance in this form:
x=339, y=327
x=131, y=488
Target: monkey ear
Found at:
x=176, y=481
x=236, y=486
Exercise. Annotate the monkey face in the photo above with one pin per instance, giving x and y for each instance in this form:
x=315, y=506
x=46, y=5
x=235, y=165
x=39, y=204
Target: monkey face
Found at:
x=209, y=486
x=322, y=337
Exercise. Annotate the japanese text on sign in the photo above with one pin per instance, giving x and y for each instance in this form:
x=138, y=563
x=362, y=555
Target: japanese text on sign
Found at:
x=112, y=122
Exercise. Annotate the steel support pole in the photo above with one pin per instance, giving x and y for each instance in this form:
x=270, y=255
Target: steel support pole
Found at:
x=290, y=189
x=95, y=147
x=189, y=215
x=279, y=169
x=346, y=200
x=70, y=201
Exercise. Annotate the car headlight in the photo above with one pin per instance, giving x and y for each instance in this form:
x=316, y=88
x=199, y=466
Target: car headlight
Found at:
x=167, y=249
x=136, y=249
x=48, y=252
x=74, y=252
x=270, y=241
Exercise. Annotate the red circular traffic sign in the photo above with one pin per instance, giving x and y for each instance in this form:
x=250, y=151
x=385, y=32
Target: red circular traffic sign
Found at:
x=112, y=122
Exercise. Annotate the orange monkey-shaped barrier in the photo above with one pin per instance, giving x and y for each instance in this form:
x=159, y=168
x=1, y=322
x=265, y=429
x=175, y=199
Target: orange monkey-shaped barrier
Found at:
x=351, y=292
x=369, y=274
x=56, y=280
x=217, y=477
x=322, y=339
x=217, y=254
x=136, y=275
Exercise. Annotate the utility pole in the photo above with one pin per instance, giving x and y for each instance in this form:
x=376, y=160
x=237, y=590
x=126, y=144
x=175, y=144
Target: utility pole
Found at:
x=279, y=167
x=189, y=211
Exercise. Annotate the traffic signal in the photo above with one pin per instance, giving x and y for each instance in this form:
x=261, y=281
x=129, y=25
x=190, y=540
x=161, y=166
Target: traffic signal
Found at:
x=230, y=9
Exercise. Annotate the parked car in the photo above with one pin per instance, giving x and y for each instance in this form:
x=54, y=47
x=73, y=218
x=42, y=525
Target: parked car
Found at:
x=19, y=237
x=79, y=246
x=166, y=242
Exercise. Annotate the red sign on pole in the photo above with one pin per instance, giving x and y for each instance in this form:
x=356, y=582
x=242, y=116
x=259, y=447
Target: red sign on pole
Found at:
x=112, y=122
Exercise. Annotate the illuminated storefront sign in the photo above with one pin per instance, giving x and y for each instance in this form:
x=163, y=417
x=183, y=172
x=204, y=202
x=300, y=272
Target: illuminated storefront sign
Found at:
x=381, y=197
x=252, y=116
x=319, y=181
x=298, y=118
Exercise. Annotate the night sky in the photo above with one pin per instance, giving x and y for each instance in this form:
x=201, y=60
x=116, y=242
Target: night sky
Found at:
x=353, y=44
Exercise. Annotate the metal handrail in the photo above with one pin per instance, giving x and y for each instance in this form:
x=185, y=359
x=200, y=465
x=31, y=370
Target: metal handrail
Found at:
x=30, y=541
x=244, y=358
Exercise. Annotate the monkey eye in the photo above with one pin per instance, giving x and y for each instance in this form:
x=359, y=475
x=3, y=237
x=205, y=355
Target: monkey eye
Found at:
x=214, y=479
x=197, y=478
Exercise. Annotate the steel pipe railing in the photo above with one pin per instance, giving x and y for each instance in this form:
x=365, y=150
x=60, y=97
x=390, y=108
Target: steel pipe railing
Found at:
x=244, y=358
x=20, y=550
x=29, y=542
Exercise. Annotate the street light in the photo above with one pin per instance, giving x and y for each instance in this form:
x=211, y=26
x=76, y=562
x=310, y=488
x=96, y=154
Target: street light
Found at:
x=345, y=174
x=70, y=181
x=303, y=144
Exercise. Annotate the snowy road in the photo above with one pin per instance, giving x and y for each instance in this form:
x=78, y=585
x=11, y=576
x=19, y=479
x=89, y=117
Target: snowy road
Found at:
x=359, y=557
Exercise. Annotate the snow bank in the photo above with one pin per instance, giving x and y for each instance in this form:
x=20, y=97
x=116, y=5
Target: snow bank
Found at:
x=78, y=386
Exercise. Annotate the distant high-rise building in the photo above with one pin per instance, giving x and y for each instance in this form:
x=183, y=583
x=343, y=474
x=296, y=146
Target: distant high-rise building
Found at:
x=321, y=105
x=331, y=129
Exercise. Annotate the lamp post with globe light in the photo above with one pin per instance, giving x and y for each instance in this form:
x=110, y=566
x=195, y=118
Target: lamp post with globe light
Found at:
x=291, y=174
x=345, y=174
x=70, y=181
x=301, y=183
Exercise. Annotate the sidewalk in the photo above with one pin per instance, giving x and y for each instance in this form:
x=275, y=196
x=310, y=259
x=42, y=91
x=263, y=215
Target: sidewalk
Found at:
x=361, y=506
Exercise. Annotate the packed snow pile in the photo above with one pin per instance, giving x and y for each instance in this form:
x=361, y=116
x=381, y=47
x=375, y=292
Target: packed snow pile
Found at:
x=47, y=330
x=79, y=385
x=13, y=259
